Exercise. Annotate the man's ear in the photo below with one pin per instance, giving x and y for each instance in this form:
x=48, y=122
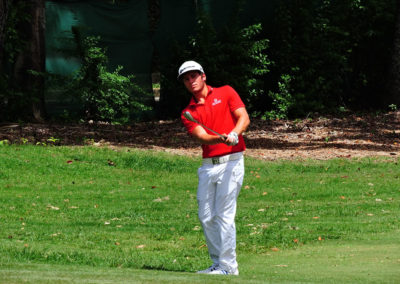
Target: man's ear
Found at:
x=203, y=76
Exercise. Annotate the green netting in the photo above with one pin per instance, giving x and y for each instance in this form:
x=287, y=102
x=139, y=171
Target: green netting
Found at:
x=124, y=30
x=59, y=20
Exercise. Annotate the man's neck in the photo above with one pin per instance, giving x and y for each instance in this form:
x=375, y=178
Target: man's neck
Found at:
x=201, y=95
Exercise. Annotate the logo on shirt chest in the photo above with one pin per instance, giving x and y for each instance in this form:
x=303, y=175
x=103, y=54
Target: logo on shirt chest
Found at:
x=216, y=101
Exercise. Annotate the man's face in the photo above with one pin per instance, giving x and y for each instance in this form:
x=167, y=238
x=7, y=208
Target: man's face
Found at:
x=194, y=81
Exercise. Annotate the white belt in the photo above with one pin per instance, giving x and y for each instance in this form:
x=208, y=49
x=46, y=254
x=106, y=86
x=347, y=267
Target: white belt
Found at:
x=223, y=159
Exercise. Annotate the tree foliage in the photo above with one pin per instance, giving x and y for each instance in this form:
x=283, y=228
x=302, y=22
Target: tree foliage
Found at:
x=104, y=96
x=337, y=52
x=233, y=56
x=22, y=51
x=12, y=43
x=314, y=56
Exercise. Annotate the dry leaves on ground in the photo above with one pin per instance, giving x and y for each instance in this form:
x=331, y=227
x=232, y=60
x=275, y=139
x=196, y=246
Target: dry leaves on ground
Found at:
x=320, y=138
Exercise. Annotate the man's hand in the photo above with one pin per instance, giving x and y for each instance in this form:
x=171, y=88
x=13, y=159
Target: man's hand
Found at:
x=232, y=139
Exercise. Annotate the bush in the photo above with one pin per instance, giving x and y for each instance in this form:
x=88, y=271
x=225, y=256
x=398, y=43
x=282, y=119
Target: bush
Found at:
x=282, y=101
x=106, y=96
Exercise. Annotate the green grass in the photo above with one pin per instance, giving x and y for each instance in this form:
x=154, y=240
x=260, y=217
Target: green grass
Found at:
x=99, y=215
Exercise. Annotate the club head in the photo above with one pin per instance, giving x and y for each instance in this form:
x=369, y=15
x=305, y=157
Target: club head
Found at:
x=188, y=116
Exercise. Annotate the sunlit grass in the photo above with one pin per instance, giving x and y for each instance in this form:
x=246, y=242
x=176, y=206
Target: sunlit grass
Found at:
x=137, y=209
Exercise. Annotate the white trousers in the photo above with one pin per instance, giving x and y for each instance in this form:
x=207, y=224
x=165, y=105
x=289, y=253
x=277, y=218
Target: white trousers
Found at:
x=217, y=192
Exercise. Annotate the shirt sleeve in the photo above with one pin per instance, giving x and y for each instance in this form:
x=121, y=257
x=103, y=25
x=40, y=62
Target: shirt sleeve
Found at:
x=190, y=125
x=234, y=100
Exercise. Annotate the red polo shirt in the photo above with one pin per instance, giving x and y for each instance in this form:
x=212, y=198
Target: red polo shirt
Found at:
x=217, y=114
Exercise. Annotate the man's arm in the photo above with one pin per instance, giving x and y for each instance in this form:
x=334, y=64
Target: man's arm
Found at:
x=243, y=120
x=242, y=123
x=203, y=137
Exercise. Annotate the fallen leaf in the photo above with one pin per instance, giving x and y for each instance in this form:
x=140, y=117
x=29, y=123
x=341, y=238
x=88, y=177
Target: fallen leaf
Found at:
x=52, y=207
x=69, y=162
x=141, y=246
x=117, y=243
x=274, y=249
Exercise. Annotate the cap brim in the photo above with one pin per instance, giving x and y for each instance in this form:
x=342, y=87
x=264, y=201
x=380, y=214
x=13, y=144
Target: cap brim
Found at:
x=188, y=70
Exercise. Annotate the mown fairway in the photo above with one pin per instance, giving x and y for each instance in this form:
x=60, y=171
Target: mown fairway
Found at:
x=97, y=215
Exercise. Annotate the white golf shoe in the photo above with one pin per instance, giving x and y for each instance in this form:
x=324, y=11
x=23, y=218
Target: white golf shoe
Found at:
x=209, y=270
x=220, y=271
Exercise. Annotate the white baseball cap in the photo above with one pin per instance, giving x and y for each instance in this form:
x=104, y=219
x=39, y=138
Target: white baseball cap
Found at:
x=189, y=66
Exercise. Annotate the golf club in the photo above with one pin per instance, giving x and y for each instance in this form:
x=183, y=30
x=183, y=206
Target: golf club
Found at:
x=190, y=117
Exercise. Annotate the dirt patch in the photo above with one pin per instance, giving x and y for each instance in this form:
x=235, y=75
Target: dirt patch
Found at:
x=319, y=138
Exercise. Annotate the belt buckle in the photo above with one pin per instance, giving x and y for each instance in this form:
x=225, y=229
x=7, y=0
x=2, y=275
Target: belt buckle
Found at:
x=215, y=160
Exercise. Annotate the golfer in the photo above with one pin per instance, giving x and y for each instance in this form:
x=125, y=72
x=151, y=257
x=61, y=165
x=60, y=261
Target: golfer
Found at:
x=222, y=170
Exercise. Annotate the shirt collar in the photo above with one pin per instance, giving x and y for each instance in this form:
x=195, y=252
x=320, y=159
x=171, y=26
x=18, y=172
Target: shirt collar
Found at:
x=193, y=101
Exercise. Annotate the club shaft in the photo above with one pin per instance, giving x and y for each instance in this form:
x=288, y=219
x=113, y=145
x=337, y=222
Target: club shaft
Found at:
x=220, y=135
x=190, y=117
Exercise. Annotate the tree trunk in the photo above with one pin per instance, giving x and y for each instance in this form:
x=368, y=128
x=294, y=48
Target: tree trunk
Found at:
x=4, y=8
x=394, y=87
x=33, y=59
